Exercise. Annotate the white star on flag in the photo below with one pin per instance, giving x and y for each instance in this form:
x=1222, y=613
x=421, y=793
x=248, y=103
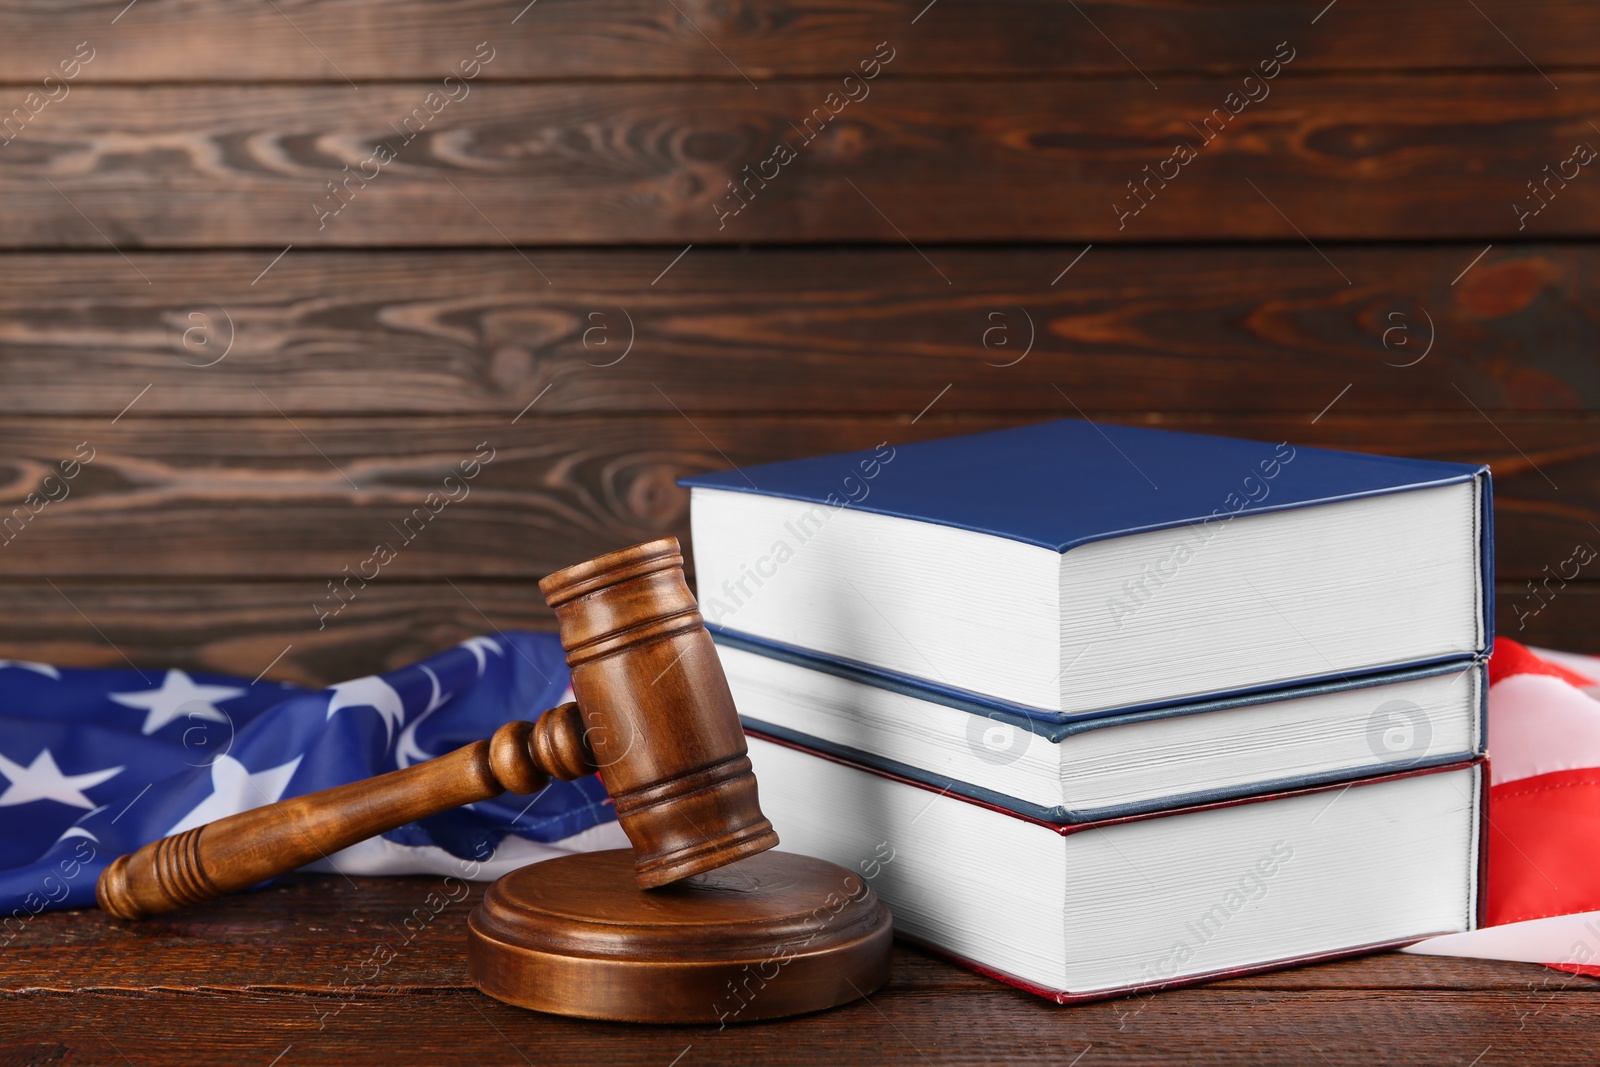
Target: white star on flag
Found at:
x=38, y=668
x=235, y=789
x=179, y=697
x=407, y=751
x=478, y=646
x=369, y=692
x=43, y=780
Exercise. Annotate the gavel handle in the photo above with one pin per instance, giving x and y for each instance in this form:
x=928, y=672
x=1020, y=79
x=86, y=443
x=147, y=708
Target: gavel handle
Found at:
x=244, y=849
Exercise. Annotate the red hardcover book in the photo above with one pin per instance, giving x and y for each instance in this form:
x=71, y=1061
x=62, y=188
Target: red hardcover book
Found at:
x=1085, y=911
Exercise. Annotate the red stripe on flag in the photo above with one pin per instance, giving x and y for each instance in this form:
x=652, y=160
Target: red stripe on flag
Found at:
x=1544, y=835
x=1511, y=658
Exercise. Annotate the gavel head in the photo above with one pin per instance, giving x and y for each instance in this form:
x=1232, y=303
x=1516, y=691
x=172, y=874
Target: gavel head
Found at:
x=656, y=712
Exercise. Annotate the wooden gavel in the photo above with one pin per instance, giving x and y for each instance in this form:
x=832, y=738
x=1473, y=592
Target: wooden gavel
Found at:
x=653, y=714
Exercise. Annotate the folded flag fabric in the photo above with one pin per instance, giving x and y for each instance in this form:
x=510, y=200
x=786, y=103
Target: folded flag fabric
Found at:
x=1544, y=813
x=97, y=763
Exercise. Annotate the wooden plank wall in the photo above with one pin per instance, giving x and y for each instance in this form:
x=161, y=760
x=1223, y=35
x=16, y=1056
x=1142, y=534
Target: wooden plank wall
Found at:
x=280, y=268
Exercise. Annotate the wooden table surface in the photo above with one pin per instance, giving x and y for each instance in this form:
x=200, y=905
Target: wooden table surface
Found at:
x=288, y=977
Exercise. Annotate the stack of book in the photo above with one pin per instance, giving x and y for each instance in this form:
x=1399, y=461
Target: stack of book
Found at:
x=1098, y=709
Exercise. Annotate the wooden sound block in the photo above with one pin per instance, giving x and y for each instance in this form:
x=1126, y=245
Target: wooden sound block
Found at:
x=770, y=935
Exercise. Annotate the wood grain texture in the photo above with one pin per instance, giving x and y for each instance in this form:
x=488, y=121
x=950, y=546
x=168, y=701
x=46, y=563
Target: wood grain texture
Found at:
x=327, y=926
x=575, y=937
x=170, y=40
x=996, y=1027
x=244, y=628
x=268, y=496
x=204, y=532
x=1339, y=157
x=1177, y=329
x=1567, y=620
x=288, y=968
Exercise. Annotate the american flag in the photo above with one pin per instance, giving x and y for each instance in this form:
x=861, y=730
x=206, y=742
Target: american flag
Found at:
x=99, y=762
x=1543, y=815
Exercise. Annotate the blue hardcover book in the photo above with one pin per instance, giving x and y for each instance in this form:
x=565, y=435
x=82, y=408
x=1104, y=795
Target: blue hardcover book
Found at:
x=1113, y=766
x=1069, y=568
